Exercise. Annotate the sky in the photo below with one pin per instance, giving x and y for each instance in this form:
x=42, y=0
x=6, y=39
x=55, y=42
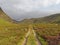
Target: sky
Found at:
x=19, y=8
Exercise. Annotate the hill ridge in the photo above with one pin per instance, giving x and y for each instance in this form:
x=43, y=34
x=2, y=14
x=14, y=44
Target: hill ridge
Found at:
x=54, y=18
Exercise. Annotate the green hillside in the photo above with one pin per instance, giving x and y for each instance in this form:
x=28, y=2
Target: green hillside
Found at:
x=4, y=18
x=10, y=32
x=54, y=18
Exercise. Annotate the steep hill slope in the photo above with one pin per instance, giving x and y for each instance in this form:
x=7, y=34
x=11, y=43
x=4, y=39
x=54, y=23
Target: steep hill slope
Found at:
x=5, y=17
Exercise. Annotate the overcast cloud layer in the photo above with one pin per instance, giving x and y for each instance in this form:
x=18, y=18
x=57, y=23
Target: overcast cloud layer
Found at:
x=29, y=5
x=18, y=8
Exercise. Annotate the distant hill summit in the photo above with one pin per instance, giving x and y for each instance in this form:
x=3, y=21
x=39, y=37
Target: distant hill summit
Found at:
x=5, y=16
x=54, y=18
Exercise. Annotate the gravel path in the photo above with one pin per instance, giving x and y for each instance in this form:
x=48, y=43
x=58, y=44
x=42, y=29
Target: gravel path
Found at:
x=35, y=36
x=38, y=42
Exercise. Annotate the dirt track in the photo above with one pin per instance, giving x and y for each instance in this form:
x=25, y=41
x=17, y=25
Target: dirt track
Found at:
x=27, y=35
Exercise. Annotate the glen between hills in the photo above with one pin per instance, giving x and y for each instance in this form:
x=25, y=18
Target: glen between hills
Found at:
x=39, y=31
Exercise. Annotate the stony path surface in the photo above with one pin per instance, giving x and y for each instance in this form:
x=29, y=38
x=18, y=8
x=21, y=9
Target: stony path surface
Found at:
x=29, y=34
x=38, y=42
